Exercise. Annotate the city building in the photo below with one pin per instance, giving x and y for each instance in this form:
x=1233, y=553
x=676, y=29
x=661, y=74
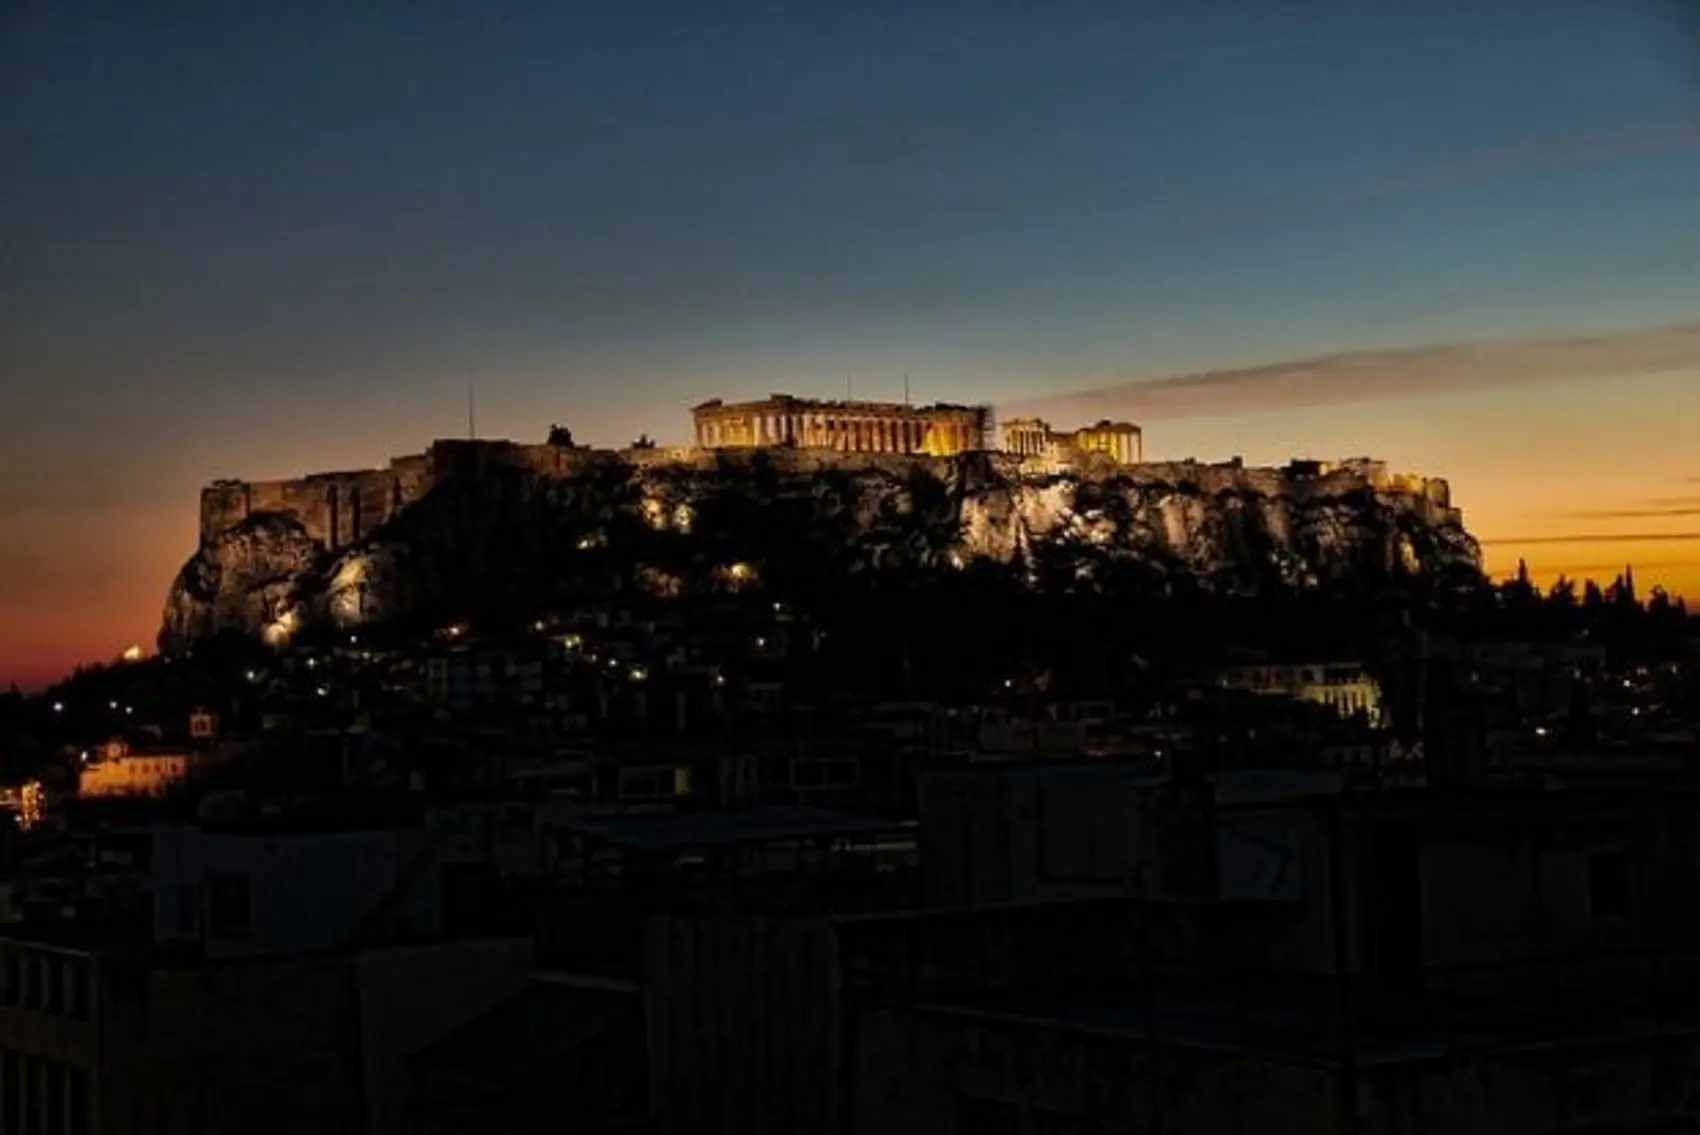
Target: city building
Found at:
x=272, y=889
x=939, y=430
x=1361, y=962
x=1345, y=687
x=290, y=967
x=119, y=770
x=1020, y=831
x=564, y=1056
x=102, y=1034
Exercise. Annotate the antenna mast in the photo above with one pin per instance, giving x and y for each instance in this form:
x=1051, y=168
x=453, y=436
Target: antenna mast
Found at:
x=906, y=388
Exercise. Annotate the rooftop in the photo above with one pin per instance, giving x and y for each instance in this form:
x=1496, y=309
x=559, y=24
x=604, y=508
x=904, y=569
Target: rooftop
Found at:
x=679, y=830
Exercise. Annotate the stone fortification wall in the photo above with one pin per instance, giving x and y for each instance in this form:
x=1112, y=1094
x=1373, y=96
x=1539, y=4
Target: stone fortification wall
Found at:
x=336, y=509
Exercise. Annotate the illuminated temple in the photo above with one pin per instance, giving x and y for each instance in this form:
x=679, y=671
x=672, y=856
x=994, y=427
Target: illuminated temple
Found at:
x=1122, y=442
x=939, y=430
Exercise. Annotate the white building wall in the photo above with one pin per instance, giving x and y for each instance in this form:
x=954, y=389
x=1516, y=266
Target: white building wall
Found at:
x=306, y=892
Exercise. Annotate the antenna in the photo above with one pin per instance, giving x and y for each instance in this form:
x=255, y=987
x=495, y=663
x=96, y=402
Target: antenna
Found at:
x=906, y=388
x=471, y=416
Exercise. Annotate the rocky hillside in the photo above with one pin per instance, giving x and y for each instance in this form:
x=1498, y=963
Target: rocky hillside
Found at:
x=676, y=527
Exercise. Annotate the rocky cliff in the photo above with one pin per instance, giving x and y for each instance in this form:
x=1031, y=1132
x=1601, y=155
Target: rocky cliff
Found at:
x=671, y=522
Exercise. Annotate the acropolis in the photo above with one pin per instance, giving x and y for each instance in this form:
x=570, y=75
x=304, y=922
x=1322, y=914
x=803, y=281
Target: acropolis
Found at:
x=339, y=508
x=938, y=430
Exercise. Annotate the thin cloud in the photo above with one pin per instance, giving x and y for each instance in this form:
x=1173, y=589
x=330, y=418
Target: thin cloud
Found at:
x=1596, y=538
x=1577, y=572
x=1533, y=156
x=1374, y=376
x=1660, y=513
x=1650, y=508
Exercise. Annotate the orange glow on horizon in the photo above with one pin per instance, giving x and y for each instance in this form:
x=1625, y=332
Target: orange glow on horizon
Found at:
x=1569, y=477
x=1674, y=566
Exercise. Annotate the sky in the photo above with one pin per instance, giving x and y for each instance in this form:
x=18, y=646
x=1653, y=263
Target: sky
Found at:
x=258, y=240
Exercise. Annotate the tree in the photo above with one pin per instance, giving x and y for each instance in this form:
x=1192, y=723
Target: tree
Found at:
x=1622, y=590
x=560, y=436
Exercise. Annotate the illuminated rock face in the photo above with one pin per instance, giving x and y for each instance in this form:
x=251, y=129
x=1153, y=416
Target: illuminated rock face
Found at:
x=1303, y=527
x=531, y=534
x=248, y=579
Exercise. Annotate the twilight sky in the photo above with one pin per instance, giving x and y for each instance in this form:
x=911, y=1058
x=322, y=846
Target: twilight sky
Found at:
x=264, y=239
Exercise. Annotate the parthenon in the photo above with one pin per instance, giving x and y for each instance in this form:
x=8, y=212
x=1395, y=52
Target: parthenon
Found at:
x=939, y=430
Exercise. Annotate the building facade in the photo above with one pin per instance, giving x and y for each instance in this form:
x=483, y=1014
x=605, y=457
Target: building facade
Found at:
x=1122, y=442
x=1345, y=687
x=122, y=771
x=939, y=430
